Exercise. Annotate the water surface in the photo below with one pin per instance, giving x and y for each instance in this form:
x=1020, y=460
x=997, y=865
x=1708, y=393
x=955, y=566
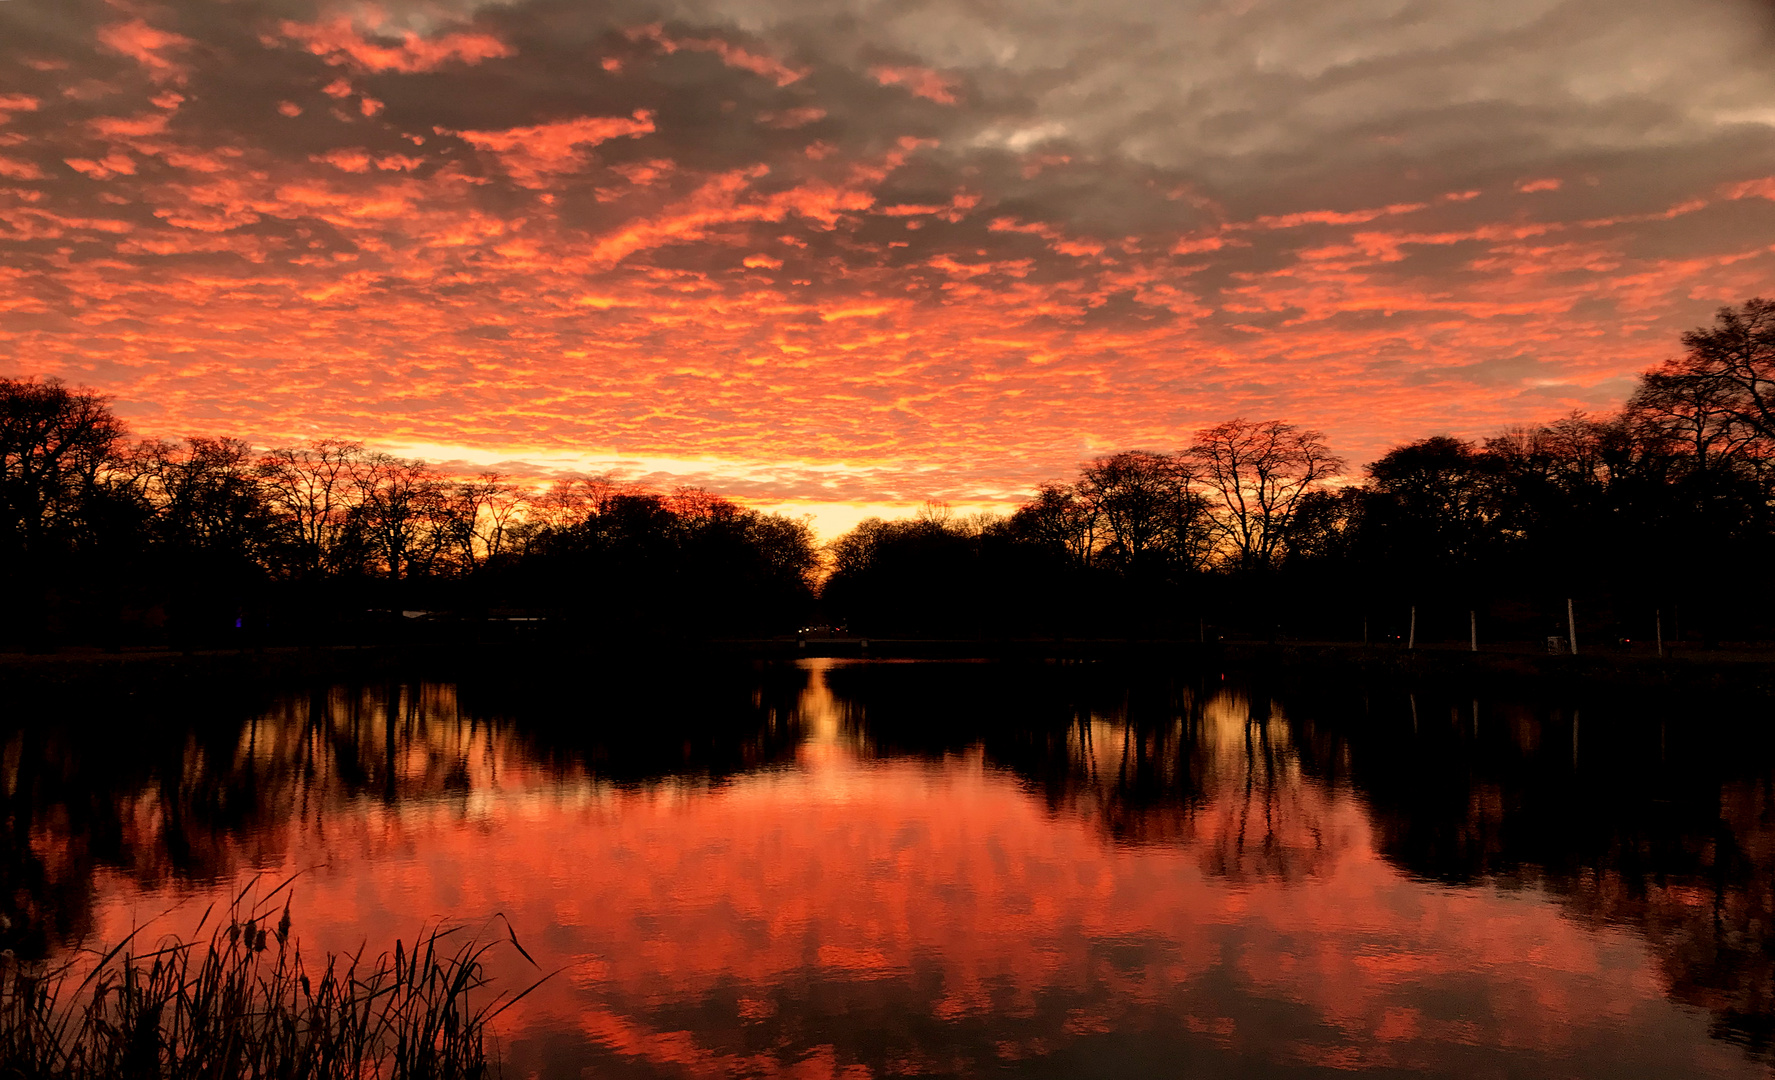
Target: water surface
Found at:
x=873, y=869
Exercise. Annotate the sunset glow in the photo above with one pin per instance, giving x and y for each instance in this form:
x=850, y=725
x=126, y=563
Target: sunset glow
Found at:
x=841, y=259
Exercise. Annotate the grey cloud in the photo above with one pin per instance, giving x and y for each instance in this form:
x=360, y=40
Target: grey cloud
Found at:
x=1174, y=118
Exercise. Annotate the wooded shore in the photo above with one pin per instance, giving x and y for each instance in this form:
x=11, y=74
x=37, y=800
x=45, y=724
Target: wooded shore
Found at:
x=1746, y=671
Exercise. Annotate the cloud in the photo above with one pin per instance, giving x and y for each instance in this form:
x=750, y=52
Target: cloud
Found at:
x=924, y=82
x=339, y=42
x=531, y=153
x=147, y=46
x=734, y=56
x=900, y=251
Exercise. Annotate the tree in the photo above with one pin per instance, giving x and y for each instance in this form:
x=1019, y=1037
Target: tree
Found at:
x=1439, y=501
x=1255, y=475
x=207, y=498
x=56, y=445
x=479, y=517
x=1734, y=361
x=1329, y=525
x=1150, y=511
x=785, y=547
x=570, y=502
x=906, y=576
x=313, y=487
x=1059, y=520
x=400, y=508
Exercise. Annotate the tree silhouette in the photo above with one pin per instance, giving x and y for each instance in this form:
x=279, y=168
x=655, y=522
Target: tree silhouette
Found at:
x=401, y=505
x=1256, y=474
x=1736, y=359
x=1151, y=513
x=56, y=445
x=314, y=488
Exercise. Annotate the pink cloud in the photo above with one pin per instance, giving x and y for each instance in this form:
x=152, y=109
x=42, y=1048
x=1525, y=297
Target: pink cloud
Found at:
x=121, y=127
x=534, y=152
x=730, y=54
x=111, y=165
x=922, y=82
x=800, y=116
x=11, y=103
x=145, y=45
x=351, y=161
x=14, y=169
x=340, y=43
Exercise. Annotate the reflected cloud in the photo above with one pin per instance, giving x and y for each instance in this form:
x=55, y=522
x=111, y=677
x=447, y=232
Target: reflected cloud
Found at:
x=869, y=868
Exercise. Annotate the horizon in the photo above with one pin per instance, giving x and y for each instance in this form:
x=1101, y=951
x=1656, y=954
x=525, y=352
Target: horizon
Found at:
x=840, y=262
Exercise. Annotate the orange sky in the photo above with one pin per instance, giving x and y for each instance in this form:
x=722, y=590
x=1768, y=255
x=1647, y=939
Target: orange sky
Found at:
x=819, y=255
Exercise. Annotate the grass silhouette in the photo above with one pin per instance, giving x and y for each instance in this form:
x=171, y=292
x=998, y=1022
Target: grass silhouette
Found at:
x=243, y=1002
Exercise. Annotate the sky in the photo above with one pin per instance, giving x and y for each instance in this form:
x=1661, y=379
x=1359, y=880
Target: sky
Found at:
x=840, y=257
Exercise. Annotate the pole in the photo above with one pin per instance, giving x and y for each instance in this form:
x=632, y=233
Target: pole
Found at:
x=1411, y=642
x=1659, y=617
x=1364, y=629
x=1571, y=627
x=1473, y=630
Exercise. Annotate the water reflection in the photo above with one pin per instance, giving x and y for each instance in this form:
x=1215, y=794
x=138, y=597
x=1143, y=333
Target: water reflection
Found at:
x=875, y=869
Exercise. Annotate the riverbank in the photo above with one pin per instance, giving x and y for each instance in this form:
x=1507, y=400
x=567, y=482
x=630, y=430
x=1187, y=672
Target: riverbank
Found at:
x=1744, y=671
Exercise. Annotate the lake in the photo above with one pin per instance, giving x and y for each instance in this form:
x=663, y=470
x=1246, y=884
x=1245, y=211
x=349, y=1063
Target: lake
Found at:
x=860, y=869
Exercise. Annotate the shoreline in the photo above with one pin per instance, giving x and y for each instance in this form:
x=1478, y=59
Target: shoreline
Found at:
x=1742, y=672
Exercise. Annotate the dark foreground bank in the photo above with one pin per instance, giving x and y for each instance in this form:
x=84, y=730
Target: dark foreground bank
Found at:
x=1745, y=672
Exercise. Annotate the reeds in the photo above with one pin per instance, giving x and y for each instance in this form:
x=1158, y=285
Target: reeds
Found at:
x=243, y=1003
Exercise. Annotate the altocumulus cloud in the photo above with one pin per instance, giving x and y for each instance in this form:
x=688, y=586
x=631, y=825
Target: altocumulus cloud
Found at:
x=868, y=251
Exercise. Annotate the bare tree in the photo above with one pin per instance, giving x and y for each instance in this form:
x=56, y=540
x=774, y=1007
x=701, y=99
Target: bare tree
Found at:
x=1736, y=357
x=978, y=523
x=1149, y=508
x=478, y=519
x=1255, y=475
x=1712, y=405
x=1057, y=517
x=401, y=508
x=936, y=512
x=314, y=488
x=502, y=514
x=1576, y=454
x=698, y=504
x=572, y=501
x=207, y=496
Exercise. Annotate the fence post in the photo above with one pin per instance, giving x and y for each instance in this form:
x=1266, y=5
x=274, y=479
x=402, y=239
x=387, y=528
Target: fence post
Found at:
x=1411, y=641
x=1473, y=630
x=1658, y=617
x=1571, y=627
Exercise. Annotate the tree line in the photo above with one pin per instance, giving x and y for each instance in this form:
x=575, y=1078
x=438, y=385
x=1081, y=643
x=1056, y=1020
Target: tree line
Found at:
x=105, y=540
x=1655, y=516
x=1659, y=511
